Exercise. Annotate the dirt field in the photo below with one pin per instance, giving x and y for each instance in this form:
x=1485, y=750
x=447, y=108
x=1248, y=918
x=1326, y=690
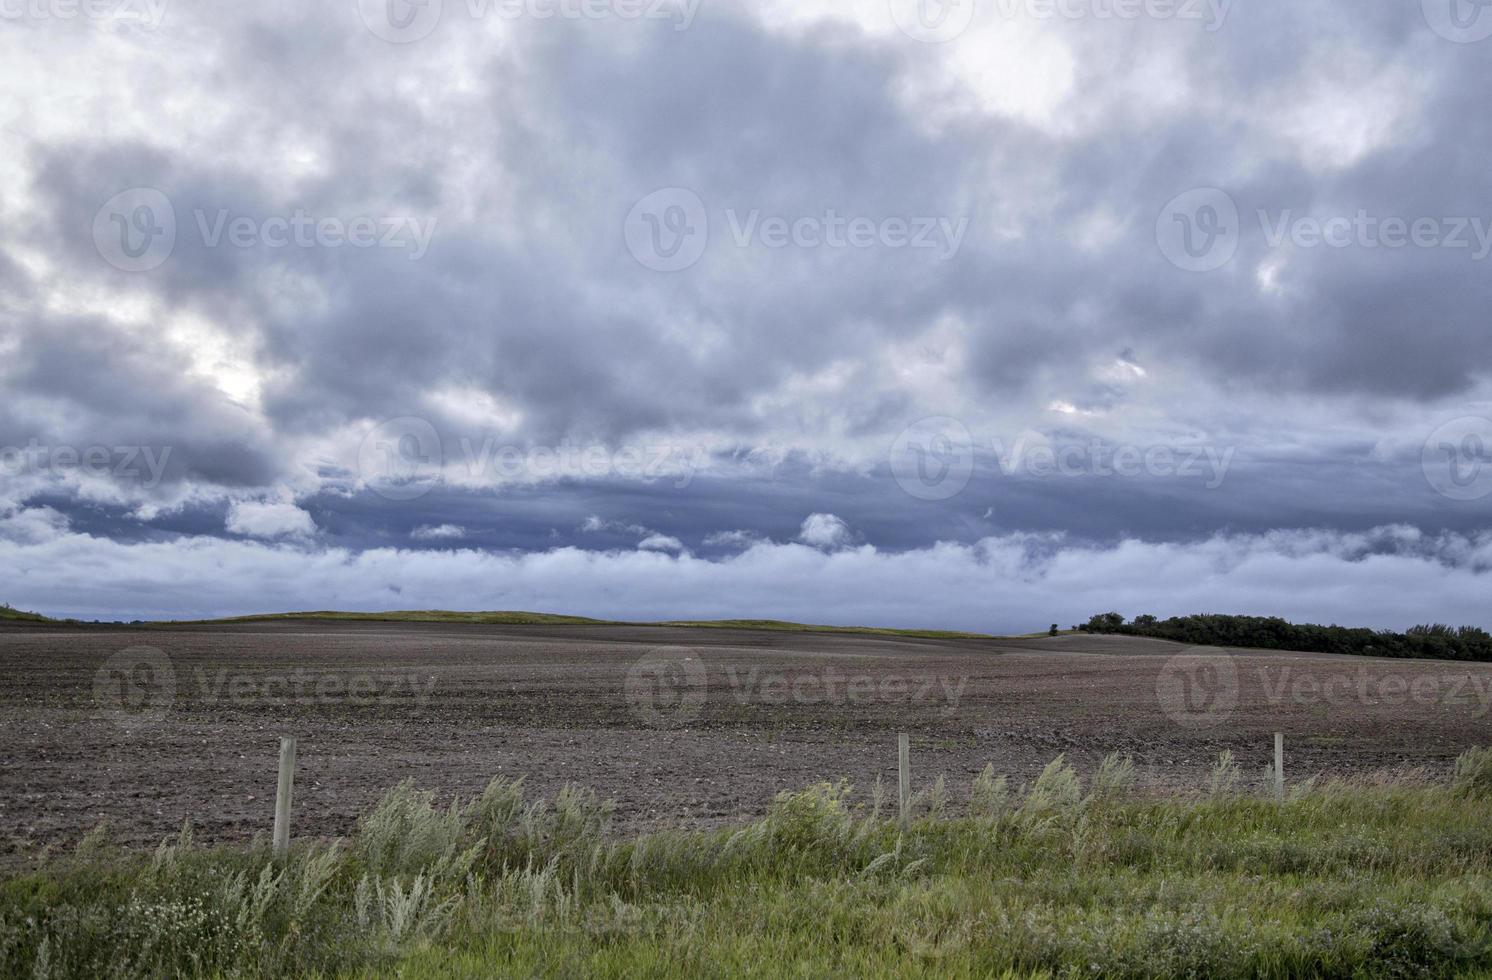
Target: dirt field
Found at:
x=144, y=728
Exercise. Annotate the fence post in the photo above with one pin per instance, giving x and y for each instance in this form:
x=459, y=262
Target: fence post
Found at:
x=282, y=797
x=904, y=776
x=1279, y=766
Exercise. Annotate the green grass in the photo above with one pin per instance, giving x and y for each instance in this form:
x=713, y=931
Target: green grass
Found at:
x=418, y=616
x=16, y=615
x=549, y=619
x=1043, y=634
x=787, y=627
x=1065, y=878
x=522, y=619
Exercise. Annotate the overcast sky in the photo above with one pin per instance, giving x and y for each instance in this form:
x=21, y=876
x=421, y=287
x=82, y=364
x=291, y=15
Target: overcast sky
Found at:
x=975, y=315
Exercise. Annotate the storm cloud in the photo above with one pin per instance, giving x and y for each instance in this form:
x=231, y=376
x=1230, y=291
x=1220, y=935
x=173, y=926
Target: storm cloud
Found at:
x=318, y=293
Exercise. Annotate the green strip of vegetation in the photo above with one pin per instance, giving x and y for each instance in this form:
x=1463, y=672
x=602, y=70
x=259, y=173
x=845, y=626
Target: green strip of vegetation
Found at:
x=1063, y=878
x=1433, y=642
x=416, y=616
x=13, y=614
x=516, y=619
x=781, y=625
x=548, y=619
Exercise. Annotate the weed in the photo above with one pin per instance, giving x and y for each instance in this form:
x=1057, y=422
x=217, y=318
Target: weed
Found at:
x=1371, y=880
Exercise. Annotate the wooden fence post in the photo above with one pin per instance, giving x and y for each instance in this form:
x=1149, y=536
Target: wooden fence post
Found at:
x=904, y=776
x=282, y=797
x=1279, y=766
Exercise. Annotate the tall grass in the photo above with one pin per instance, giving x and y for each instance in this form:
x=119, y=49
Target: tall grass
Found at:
x=1063, y=877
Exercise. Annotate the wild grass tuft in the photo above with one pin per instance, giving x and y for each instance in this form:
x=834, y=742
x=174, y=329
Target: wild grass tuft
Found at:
x=990, y=795
x=1114, y=779
x=1472, y=777
x=406, y=832
x=1225, y=775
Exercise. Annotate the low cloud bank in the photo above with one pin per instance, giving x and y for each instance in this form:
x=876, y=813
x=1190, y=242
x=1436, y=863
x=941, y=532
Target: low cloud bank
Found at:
x=1392, y=577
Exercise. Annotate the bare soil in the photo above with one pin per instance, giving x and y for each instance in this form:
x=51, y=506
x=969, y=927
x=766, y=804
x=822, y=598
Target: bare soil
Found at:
x=146, y=727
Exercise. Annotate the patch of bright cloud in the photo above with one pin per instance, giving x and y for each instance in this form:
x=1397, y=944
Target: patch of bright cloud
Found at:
x=438, y=532
x=660, y=542
x=256, y=519
x=32, y=525
x=825, y=531
x=733, y=539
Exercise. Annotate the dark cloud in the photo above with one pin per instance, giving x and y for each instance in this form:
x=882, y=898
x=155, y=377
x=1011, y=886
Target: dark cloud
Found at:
x=786, y=373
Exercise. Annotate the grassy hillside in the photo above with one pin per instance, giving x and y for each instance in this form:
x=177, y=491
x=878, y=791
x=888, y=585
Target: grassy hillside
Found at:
x=1065, y=878
x=550, y=619
x=421, y=616
x=8, y=614
x=781, y=625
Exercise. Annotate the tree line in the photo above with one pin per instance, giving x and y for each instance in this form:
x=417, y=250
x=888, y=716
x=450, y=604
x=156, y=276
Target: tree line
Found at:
x=1433, y=641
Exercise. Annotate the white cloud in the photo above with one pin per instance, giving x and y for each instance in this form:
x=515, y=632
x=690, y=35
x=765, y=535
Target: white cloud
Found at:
x=825, y=531
x=32, y=525
x=1019, y=67
x=1000, y=584
x=660, y=542
x=257, y=519
x=734, y=539
x=595, y=525
x=438, y=532
x=1345, y=108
